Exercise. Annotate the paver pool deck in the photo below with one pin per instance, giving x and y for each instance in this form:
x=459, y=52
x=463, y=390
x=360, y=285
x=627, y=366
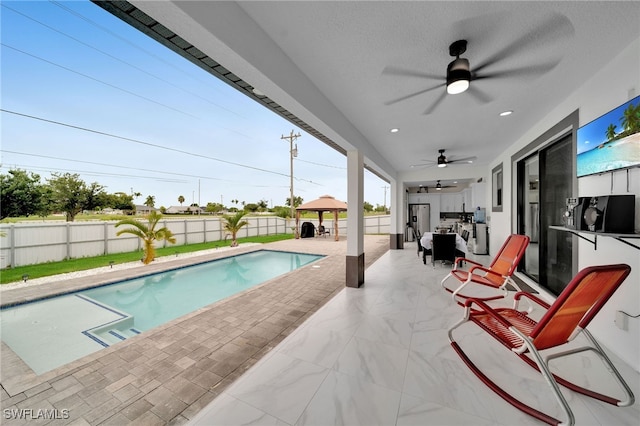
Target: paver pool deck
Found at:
x=168, y=374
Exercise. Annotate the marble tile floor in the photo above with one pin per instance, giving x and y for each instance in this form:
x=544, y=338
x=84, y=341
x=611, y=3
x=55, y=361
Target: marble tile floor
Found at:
x=380, y=355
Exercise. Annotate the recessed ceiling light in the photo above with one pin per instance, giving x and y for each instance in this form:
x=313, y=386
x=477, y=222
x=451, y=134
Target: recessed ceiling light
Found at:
x=394, y=130
x=257, y=92
x=505, y=113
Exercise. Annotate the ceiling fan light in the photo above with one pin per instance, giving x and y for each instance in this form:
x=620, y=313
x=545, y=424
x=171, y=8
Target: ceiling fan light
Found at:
x=438, y=187
x=442, y=161
x=458, y=76
x=457, y=85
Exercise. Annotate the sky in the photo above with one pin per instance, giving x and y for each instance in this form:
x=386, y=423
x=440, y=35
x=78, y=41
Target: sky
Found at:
x=83, y=92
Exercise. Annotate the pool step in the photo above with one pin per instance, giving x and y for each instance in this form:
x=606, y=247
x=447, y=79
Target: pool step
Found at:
x=114, y=332
x=114, y=335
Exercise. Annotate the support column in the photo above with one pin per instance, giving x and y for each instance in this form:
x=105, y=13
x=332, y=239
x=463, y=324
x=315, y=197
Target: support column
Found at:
x=355, y=219
x=397, y=202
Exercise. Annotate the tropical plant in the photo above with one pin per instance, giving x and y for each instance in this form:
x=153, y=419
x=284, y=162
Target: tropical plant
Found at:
x=262, y=205
x=297, y=200
x=181, y=199
x=611, y=132
x=630, y=119
x=150, y=201
x=232, y=224
x=147, y=233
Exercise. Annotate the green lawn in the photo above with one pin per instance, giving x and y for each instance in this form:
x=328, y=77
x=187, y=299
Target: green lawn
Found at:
x=81, y=264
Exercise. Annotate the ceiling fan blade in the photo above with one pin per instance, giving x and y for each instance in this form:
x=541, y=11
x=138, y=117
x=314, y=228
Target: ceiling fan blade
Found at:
x=391, y=70
x=520, y=72
x=422, y=165
x=553, y=29
x=412, y=95
x=463, y=160
x=481, y=96
x=435, y=103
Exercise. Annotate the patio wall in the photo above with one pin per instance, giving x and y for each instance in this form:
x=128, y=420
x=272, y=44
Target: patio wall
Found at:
x=38, y=242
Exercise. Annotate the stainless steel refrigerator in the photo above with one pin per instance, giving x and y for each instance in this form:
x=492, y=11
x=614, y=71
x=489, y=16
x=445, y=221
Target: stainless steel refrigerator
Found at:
x=420, y=218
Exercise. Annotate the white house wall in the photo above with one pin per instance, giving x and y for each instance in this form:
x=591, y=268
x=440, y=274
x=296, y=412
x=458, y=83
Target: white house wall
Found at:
x=616, y=83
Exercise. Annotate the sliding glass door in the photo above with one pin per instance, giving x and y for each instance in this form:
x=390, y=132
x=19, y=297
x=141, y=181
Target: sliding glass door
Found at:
x=545, y=180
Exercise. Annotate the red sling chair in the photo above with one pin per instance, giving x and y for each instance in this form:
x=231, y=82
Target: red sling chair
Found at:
x=496, y=276
x=569, y=316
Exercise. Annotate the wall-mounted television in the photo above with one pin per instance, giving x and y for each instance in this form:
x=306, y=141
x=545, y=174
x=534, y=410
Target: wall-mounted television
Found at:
x=610, y=142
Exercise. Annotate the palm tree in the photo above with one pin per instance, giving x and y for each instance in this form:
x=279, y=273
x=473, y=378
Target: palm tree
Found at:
x=630, y=119
x=233, y=224
x=611, y=132
x=181, y=199
x=148, y=234
x=150, y=201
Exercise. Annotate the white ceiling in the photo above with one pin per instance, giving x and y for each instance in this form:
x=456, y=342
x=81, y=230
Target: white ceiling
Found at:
x=344, y=66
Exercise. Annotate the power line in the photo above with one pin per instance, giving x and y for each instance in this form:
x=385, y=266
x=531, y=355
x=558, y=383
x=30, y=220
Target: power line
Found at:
x=98, y=80
x=320, y=164
x=165, y=172
x=121, y=175
x=94, y=173
x=122, y=61
x=122, y=39
x=148, y=144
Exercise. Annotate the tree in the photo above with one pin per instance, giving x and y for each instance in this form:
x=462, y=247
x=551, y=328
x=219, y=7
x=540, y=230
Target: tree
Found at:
x=296, y=201
x=181, y=199
x=630, y=119
x=147, y=233
x=233, y=224
x=262, y=205
x=96, y=197
x=368, y=207
x=251, y=207
x=214, y=208
x=150, y=201
x=611, y=132
x=120, y=201
x=22, y=194
x=71, y=194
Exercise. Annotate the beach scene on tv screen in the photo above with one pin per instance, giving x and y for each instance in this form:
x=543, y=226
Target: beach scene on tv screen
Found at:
x=610, y=142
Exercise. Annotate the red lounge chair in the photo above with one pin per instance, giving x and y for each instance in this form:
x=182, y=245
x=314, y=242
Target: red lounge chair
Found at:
x=572, y=311
x=496, y=276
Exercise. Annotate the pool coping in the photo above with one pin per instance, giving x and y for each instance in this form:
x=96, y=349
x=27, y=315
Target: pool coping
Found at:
x=169, y=373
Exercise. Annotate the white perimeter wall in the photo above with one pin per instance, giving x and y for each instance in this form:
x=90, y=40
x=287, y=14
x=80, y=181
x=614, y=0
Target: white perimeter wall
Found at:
x=38, y=242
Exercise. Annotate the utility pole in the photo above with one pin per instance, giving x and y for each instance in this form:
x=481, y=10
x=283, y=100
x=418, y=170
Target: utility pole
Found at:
x=293, y=153
x=385, y=198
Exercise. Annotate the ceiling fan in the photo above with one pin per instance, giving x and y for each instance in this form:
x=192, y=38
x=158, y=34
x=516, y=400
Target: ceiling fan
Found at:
x=460, y=75
x=438, y=187
x=443, y=161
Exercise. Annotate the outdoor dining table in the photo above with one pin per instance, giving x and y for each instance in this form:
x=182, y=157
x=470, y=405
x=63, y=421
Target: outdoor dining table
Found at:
x=427, y=238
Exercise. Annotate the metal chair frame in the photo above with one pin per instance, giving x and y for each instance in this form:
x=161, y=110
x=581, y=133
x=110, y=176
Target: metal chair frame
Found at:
x=566, y=318
x=498, y=275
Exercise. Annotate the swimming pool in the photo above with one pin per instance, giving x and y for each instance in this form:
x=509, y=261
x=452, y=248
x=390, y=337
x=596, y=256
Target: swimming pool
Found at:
x=53, y=332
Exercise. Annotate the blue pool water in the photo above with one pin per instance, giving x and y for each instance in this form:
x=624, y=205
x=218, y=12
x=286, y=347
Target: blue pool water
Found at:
x=52, y=332
x=156, y=299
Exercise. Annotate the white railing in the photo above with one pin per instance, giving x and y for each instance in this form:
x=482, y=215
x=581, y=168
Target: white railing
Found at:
x=30, y=243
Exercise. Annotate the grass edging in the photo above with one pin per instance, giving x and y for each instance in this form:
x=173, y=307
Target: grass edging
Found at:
x=10, y=275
